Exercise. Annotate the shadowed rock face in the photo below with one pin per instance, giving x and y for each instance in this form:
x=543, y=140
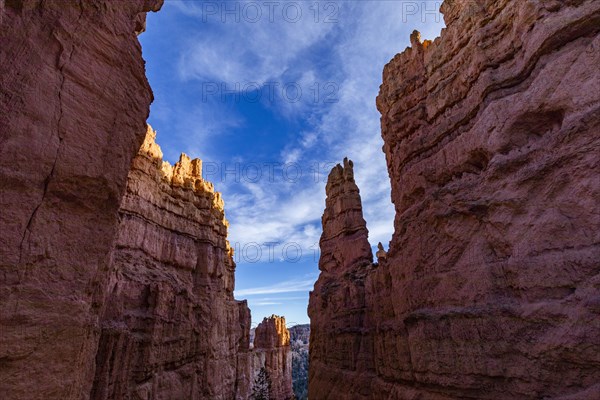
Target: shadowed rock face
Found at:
x=489, y=288
x=337, y=303
x=73, y=104
x=171, y=327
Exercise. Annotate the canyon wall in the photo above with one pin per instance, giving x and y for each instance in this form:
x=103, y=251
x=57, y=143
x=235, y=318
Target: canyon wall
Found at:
x=73, y=104
x=490, y=286
x=272, y=351
x=171, y=327
x=117, y=279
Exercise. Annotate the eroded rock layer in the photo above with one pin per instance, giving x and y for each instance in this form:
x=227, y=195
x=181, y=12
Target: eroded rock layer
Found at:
x=171, y=329
x=73, y=104
x=490, y=288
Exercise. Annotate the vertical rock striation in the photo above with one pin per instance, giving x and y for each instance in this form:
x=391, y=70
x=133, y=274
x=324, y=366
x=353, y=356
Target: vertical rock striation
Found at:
x=272, y=351
x=73, y=104
x=171, y=327
x=489, y=288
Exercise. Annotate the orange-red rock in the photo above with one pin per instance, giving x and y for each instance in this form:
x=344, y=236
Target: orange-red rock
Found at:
x=116, y=277
x=73, y=104
x=337, y=303
x=171, y=327
x=272, y=351
x=489, y=288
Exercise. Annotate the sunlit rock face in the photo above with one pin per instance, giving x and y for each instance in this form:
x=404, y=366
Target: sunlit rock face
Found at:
x=171, y=327
x=489, y=289
x=73, y=104
x=272, y=351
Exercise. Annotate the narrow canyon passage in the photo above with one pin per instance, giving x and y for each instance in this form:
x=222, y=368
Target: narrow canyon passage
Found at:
x=119, y=275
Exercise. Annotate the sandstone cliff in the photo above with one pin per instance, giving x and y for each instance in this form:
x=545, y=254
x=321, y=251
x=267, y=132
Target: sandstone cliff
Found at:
x=171, y=327
x=73, y=104
x=272, y=351
x=117, y=279
x=489, y=289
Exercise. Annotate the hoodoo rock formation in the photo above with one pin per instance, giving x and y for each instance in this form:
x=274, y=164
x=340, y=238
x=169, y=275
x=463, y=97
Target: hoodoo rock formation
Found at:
x=116, y=276
x=490, y=286
x=337, y=304
x=74, y=101
x=171, y=328
x=272, y=351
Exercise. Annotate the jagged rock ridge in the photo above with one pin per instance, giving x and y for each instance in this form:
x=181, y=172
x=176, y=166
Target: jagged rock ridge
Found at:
x=489, y=288
x=171, y=327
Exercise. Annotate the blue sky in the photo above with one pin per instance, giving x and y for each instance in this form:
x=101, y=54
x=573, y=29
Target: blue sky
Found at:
x=270, y=95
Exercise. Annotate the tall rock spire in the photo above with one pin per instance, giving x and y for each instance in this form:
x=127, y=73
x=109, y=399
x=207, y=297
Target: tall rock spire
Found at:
x=337, y=303
x=344, y=242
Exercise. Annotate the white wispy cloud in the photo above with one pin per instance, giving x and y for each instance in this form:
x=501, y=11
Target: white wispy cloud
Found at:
x=289, y=286
x=286, y=298
x=239, y=48
x=195, y=127
x=350, y=53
